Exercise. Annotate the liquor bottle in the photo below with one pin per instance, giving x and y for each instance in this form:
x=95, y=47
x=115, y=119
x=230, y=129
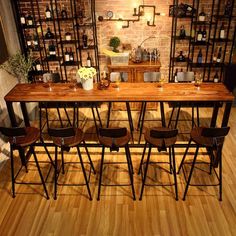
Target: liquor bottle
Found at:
x=175, y=76
x=199, y=57
x=23, y=20
x=71, y=55
x=204, y=34
x=214, y=57
x=222, y=31
x=48, y=13
x=39, y=28
x=67, y=56
x=85, y=40
x=64, y=12
x=182, y=33
x=216, y=77
x=29, y=20
x=36, y=42
x=202, y=15
x=68, y=36
x=228, y=8
x=49, y=34
x=145, y=55
x=199, y=34
x=89, y=60
x=181, y=57
x=52, y=50
x=38, y=66
x=218, y=59
x=28, y=40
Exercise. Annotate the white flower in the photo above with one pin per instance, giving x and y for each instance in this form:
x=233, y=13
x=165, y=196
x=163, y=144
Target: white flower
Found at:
x=86, y=72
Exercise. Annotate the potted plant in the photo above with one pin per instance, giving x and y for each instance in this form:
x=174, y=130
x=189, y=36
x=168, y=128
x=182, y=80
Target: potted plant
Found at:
x=18, y=66
x=86, y=75
x=114, y=43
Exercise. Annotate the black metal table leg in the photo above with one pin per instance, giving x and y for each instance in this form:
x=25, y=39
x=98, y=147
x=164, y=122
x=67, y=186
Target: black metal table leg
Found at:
x=227, y=110
x=25, y=114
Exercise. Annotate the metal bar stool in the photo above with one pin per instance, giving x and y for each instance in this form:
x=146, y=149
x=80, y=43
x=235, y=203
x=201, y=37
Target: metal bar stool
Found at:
x=114, y=138
x=20, y=139
x=212, y=139
x=162, y=138
x=66, y=138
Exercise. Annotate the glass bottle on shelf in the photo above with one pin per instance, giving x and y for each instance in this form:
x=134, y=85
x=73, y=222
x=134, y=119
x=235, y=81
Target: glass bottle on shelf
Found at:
x=182, y=33
x=38, y=66
x=199, y=57
x=228, y=8
x=39, y=28
x=199, y=34
x=218, y=59
x=202, y=15
x=204, y=34
x=181, y=57
x=71, y=55
x=28, y=40
x=175, y=76
x=68, y=36
x=49, y=34
x=63, y=12
x=48, y=13
x=85, y=40
x=89, y=60
x=36, y=42
x=216, y=77
x=22, y=20
x=29, y=20
x=222, y=31
x=52, y=50
x=214, y=56
x=67, y=55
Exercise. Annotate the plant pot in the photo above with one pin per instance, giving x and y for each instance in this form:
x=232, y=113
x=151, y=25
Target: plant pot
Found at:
x=87, y=84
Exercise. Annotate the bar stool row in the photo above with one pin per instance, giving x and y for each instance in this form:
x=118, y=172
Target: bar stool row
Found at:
x=162, y=138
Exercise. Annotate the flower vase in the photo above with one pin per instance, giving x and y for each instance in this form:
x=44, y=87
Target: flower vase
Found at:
x=87, y=84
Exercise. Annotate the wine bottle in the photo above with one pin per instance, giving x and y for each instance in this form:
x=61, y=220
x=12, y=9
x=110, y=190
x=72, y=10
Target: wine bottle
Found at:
x=36, y=42
x=228, y=8
x=89, y=60
x=199, y=57
x=49, y=34
x=38, y=66
x=181, y=57
x=28, y=40
x=52, y=50
x=175, y=76
x=214, y=57
x=204, y=34
x=216, y=77
x=63, y=12
x=68, y=36
x=23, y=20
x=199, y=34
x=39, y=28
x=29, y=20
x=202, y=15
x=222, y=31
x=71, y=55
x=48, y=13
x=182, y=33
x=218, y=59
x=67, y=56
x=85, y=40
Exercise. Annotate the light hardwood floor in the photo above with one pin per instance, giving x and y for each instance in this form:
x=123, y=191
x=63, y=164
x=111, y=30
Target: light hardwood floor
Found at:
x=116, y=213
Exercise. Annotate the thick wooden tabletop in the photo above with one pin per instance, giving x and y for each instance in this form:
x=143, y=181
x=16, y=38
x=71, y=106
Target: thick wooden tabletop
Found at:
x=127, y=92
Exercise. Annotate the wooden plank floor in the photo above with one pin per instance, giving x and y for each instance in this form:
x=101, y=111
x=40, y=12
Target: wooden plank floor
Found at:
x=116, y=213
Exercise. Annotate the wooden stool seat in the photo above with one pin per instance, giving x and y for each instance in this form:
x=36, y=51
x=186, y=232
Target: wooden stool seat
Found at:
x=158, y=142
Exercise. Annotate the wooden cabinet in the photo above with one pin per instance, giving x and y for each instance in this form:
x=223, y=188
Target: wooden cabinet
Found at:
x=135, y=74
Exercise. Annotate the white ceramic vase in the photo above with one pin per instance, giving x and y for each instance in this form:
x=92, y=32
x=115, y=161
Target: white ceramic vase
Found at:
x=87, y=84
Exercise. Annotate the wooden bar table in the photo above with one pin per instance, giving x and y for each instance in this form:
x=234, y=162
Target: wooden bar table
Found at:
x=127, y=92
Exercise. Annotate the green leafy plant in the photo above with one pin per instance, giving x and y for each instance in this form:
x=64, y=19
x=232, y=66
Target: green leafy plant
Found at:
x=115, y=43
x=18, y=66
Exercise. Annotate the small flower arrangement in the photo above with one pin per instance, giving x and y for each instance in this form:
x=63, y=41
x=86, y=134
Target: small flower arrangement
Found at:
x=86, y=73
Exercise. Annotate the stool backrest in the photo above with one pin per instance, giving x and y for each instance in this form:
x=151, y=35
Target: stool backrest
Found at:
x=163, y=133
x=61, y=132
x=13, y=131
x=215, y=132
x=113, y=132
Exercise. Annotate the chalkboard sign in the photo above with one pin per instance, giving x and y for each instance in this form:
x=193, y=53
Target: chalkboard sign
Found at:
x=3, y=46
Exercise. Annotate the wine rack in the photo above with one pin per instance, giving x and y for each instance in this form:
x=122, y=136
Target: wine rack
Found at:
x=208, y=43
x=53, y=33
